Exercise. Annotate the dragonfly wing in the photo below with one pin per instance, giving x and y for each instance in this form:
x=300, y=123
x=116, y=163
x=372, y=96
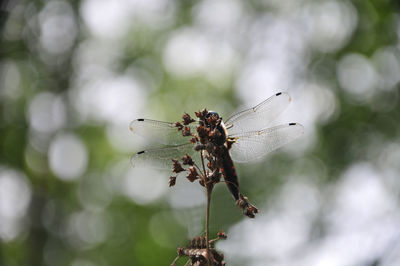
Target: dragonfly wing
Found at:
x=162, y=158
x=252, y=146
x=260, y=116
x=160, y=132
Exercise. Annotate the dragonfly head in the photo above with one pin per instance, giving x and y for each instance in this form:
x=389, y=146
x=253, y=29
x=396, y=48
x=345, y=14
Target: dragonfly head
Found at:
x=212, y=116
x=212, y=113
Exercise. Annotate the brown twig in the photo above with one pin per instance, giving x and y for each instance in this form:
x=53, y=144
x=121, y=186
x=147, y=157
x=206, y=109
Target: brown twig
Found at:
x=209, y=188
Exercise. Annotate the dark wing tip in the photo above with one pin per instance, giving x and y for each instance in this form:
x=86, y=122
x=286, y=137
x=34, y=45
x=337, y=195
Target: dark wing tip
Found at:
x=279, y=93
x=133, y=124
x=292, y=124
x=141, y=152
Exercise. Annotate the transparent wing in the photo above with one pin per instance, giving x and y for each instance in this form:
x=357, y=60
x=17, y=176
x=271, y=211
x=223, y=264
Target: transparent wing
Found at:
x=162, y=158
x=252, y=146
x=259, y=116
x=159, y=132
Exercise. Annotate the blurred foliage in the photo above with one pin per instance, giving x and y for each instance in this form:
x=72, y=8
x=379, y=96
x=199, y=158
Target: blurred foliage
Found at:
x=128, y=232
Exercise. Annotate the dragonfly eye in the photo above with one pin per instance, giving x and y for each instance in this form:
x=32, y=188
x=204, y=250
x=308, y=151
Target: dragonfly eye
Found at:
x=212, y=113
x=212, y=118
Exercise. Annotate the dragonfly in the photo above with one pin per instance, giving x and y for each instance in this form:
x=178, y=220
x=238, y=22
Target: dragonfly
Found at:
x=247, y=137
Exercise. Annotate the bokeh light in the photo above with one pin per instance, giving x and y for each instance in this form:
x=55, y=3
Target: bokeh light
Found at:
x=357, y=76
x=144, y=185
x=46, y=113
x=15, y=196
x=68, y=157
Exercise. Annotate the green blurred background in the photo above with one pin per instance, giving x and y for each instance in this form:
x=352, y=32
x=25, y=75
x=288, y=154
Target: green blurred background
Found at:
x=73, y=74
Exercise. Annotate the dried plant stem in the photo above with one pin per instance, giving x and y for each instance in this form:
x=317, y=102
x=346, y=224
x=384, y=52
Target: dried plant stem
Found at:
x=209, y=190
x=209, y=187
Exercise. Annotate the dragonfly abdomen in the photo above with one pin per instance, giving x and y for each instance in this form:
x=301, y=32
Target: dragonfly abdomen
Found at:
x=229, y=172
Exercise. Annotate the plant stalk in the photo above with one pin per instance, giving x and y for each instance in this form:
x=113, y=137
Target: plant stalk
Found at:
x=209, y=188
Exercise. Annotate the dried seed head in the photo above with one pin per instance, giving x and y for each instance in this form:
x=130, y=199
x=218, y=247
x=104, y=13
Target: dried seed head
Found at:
x=172, y=181
x=215, y=177
x=194, y=140
x=212, y=164
x=176, y=166
x=221, y=234
x=197, y=253
x=186, y=132
x=187, y=119
x=179, y=126
x=201, y=182
x=180, y=251
x=202, y=114
x=203, y=132
x=199, y=147
x=192, y=175
x=210, y=148
x=187, y=160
